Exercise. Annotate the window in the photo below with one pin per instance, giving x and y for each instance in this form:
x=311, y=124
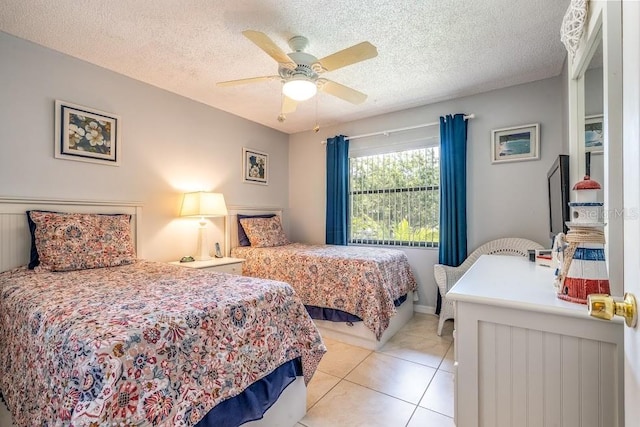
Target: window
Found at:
x=395, y=198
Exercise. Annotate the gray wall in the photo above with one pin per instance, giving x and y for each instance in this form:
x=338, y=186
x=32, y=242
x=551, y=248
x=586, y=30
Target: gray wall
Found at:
x=565, y=106
x=170, y=144
x=503, y=200
x=594, y=104
x=593, y=91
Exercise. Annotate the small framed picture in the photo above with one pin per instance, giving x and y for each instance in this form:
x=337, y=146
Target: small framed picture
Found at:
x=255, y=166
x=515, y=144
x=593, y=134
x=86, y=134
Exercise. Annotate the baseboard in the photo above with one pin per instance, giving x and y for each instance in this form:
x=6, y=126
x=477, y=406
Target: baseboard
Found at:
x=425, y=309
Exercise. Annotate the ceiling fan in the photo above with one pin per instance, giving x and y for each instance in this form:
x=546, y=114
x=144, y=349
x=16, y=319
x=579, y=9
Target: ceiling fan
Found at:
x=300, y=71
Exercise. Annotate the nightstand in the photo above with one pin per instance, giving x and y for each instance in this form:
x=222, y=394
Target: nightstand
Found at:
x=223, y=265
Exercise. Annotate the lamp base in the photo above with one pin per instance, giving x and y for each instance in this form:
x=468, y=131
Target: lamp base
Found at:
x=202, y=253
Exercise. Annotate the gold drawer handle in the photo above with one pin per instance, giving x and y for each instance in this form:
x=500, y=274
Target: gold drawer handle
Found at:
x=603, y=306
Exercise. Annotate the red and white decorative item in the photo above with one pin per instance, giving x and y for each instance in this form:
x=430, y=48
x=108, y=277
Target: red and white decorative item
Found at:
x=581, y=267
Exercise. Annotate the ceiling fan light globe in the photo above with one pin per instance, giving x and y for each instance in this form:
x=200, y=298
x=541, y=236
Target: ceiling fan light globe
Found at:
x=299, y=89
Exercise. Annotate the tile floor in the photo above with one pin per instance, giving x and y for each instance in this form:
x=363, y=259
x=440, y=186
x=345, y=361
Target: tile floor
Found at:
x=408, y=383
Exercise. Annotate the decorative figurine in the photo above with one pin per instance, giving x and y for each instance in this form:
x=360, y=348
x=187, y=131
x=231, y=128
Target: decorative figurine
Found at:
x=579, y=255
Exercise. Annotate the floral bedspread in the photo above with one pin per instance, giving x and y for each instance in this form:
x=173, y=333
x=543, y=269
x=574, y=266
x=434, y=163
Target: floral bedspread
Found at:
x=360, y=280
x=142, y=344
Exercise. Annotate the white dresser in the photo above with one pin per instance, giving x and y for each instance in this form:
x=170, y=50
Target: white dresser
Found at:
x=526, y=358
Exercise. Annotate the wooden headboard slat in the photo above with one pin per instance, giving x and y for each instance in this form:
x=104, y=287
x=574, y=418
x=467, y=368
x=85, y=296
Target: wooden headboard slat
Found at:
x=15, y=238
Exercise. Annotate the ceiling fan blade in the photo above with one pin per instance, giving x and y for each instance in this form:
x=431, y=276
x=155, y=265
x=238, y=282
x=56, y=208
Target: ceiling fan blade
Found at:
x=245, y=81
x=348, y=56
x=288, y=105
x=342, y=91
x=265, y=43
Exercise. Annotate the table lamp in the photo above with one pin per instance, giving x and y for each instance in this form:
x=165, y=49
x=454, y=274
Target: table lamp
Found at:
x=203, y=204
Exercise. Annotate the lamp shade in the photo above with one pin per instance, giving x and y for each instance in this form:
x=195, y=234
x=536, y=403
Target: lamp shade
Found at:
x=203, y=204
x=299, y=89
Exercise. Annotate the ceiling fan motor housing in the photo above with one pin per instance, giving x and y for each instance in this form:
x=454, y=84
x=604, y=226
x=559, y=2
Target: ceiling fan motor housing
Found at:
x=304, y=67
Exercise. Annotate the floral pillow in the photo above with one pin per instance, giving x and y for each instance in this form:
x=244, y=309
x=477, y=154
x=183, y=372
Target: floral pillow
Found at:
x=264, y=232
x=75, y=241
x=243, y=240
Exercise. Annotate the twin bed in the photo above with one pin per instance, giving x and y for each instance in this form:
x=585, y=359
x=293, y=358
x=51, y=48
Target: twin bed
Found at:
x=355, y=294
x=94, y=336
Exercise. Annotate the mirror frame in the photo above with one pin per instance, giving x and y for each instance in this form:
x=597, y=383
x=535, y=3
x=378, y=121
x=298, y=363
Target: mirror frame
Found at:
x=604, y=25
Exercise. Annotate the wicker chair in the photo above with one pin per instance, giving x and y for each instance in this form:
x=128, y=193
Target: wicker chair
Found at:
x=446, y=276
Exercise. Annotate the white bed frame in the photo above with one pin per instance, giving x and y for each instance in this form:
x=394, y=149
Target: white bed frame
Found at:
x=356, y=333
x=15, y=247
x=359, y=335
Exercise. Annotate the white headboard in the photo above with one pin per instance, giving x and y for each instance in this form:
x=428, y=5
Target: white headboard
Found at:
x=231, y=223
x=15, y=238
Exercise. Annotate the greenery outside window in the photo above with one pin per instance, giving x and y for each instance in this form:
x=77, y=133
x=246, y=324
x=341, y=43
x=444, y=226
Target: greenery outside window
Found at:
x=395, y=198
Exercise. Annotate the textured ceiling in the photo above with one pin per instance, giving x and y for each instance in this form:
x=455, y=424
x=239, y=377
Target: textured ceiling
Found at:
x=428, y=51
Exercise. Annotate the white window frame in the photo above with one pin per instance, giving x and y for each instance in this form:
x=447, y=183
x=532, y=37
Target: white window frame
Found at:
x=363, y=150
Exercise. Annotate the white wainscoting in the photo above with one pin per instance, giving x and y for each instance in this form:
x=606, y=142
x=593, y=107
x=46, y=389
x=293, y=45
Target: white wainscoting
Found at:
x=530, y=377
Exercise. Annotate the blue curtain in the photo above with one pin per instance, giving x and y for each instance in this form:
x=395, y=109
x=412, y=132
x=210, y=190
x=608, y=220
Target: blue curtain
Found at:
x=337, y=227
x=453, y=192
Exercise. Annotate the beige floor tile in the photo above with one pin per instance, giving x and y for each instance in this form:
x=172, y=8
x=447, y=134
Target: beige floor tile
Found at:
x=341, y=358
x=421, y=324
x=439, y=394
x=351, y=405
x=447, y=329
x=320, y=384
x=427, y=351
x=447, y=362
x=395, y=377
x=426, y=418
x=426, y=325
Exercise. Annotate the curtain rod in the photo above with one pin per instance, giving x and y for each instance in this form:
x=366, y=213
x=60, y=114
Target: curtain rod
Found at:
x=390, y=131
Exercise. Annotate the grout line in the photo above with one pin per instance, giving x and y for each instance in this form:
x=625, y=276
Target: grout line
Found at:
x=341, y=379
x=428, y=385
x=445, y=356
x=327, y=392
x=383, y=393
x=437, y=369
x=377, y=391
x=418, y=363
x=358, y=364
x=411, y=417
x=417, y=405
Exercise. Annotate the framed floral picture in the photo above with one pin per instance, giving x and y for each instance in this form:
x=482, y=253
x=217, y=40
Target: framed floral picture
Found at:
x=593, y=135
x=255, y=166
x=515, y=144
x=86, y=134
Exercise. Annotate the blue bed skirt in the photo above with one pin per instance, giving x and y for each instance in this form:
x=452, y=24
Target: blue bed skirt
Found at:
x=333, y=315
x=255, y=400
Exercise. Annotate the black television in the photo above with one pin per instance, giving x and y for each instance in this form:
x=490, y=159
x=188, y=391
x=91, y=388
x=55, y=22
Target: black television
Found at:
x=558, y=187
